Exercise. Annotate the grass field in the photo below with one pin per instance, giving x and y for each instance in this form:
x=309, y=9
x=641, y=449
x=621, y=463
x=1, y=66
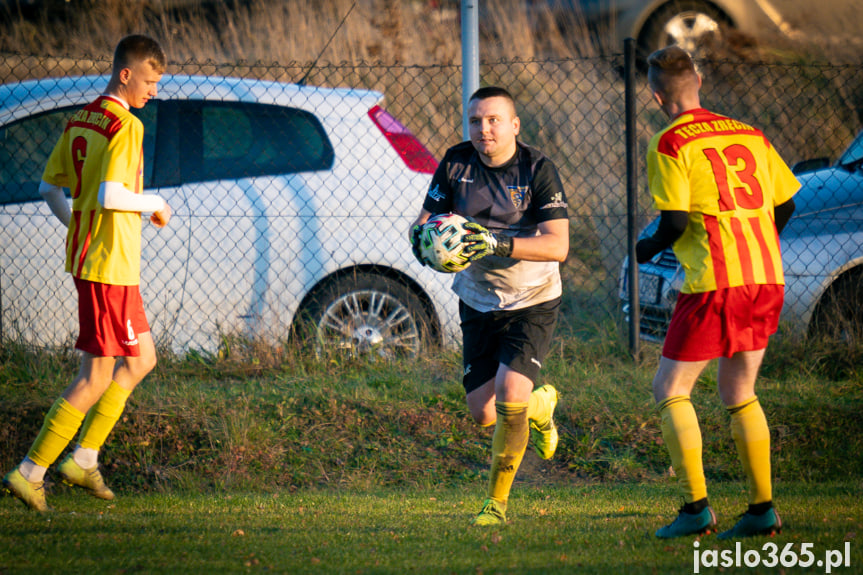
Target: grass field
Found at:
x=265, y=461
x=566, y=528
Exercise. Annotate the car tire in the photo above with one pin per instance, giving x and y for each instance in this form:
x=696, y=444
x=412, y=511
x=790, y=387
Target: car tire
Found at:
x=839, y=313
x=366, y=314
x=694, y=26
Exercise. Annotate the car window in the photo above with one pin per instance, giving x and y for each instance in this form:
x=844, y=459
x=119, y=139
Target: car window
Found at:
x=148, y=115
x=24, y=149
x=229, y=140
x=26, y=144
x=854, y=153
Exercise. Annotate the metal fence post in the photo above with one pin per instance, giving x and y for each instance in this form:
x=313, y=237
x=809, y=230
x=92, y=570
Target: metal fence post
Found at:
x=469, y=57
x=631, y=194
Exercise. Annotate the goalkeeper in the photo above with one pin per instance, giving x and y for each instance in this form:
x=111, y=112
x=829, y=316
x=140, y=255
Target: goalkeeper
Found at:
x=510, y=295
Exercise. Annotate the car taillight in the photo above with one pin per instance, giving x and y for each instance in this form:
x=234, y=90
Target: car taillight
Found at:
x=415, y=155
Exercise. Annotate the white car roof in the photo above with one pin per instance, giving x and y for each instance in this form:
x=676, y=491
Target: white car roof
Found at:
x=25, y=98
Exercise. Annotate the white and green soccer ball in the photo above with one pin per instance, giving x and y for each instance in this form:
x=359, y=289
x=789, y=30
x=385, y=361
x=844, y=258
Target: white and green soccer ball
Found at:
x=441, y=243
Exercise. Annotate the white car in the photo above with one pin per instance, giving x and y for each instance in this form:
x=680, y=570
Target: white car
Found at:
x=291, y=206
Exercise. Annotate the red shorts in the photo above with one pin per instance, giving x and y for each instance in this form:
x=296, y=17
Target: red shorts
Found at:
x=111, y=317
x=720, y=323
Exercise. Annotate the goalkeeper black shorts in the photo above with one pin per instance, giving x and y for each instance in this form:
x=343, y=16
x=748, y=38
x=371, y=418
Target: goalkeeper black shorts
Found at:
x=518, y=339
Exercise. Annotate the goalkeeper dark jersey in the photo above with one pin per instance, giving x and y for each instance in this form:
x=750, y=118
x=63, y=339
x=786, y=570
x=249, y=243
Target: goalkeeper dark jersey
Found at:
x=511, y=199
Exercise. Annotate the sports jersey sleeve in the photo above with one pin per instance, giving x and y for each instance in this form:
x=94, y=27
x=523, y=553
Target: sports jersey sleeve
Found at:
x=785, y=183
x=549, y=199
x=667, y=179
x=56, y=171
x=439, y=198
x=124, y=150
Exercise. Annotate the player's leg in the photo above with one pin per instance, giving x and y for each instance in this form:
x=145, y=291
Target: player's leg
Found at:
x=510, y=440
x=752, y=318
x=524, y=340
x=694, y=338
x=480, y=363
x=480, y=403
x=130, y=337
x=59, y=428
x=540, y=411
x=529, y=340
x=128, y=373
x=479, y=334
x=131, y=370
x=751, y=435
x=672, y=387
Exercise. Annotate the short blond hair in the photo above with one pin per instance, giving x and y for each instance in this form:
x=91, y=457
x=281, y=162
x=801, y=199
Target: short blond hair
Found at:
x=671, y=71
x=139, y=48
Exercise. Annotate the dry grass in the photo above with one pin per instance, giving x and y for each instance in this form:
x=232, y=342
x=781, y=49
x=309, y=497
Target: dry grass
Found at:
x=389, y=31
x=414, y=32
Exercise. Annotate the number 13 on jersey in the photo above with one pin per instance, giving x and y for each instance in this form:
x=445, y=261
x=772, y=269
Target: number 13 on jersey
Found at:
x=739, y=159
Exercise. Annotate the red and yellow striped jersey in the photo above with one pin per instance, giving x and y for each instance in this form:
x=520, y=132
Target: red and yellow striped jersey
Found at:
x=729, y=178
x=103, y=142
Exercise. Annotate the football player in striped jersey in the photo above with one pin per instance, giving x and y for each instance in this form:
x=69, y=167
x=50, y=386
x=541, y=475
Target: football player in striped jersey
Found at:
x=99, y=158
x=724, y=194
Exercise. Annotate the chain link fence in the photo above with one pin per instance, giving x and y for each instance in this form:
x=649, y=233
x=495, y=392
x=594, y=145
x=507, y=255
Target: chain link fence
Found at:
x=282, y=215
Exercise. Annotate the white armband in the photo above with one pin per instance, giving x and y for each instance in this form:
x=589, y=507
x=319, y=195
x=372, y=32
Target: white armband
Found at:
x=115, y=196
x=56, y=201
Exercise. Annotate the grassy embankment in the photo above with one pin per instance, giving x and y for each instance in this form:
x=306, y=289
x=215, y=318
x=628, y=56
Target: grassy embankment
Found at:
x=262, y=417
x=262, y=459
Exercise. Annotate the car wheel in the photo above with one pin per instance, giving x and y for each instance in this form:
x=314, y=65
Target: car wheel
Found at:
x=839, y=314
x=367, y=314
x=690, y=24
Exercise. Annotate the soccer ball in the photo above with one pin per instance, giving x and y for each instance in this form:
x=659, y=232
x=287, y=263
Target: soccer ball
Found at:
x=441, y=245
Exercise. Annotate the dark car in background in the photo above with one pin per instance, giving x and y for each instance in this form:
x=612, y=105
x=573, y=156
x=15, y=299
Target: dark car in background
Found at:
x=822, y=253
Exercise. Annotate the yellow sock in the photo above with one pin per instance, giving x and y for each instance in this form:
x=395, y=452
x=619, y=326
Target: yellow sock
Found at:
x=752, y=438
x=507, y=448
x=103, y=416
x=59, y=428
x=683, y=439
x=538, y=407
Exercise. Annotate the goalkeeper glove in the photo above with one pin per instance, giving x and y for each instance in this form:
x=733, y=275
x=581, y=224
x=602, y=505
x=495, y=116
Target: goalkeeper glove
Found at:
x=483, y=243
x=414, y=237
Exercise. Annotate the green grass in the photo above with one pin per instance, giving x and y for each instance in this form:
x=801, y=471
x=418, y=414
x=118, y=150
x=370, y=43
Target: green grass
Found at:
x=262, y=459
x=255, y=416
x=566, y=528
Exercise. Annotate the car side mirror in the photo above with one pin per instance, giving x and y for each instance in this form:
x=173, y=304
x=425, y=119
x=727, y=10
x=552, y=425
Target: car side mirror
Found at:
x=810, y=165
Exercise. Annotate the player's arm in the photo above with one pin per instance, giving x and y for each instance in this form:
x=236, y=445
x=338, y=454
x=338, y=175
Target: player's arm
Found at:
x=551, y=212
x=549, y=208
x=782, y=213
x=672, y=224
x=56, y=200
x=551, y=245
x=115, y=196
